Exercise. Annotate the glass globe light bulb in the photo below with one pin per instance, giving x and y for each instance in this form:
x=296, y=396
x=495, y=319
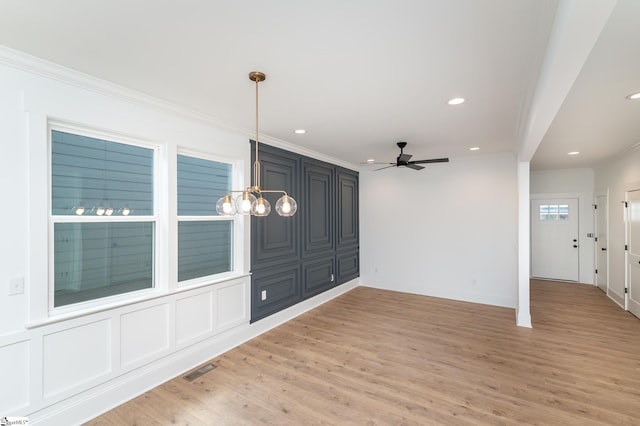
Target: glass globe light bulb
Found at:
x=126, y=211
x=261, y=207
x=109, y=211
x=99, y=211
x=79, y=210
x=286, y=206
x=245, y=202
x=226, y=206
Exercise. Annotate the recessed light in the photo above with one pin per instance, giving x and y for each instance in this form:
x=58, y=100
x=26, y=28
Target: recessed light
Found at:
x=634, y=96
x=455, y=101
x=475, y=148
x=573, y=153
x=371, y=160
x=300, y=131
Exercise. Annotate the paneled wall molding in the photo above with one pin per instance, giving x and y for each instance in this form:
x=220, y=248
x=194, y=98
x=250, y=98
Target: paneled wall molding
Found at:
x=273, y=238
x=298, y=257
x=318, y=209
x=347, y=224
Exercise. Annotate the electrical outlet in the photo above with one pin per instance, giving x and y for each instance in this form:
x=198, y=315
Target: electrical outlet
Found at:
x=264, y=294
x=16, y=286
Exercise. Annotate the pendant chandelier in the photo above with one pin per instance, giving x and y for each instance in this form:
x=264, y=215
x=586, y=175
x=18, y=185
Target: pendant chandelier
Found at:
x=250, y=200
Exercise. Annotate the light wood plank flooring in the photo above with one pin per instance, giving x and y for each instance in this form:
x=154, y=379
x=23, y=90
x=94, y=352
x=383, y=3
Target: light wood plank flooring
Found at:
x=373, y=357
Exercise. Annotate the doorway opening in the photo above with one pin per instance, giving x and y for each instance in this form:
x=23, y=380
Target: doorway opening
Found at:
x=555, y=239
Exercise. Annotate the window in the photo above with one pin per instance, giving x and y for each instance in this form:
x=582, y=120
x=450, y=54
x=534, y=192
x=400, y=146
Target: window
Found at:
x=554, y=211
x=205, y=239
x=102, y=217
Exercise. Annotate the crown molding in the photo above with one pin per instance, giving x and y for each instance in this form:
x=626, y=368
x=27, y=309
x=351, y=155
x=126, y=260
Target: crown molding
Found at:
x=279, y=143
x=31, y=64
x=41, y=67
x=611, y=160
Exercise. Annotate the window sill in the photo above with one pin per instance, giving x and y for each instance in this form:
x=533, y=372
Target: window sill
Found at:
x=140, y=297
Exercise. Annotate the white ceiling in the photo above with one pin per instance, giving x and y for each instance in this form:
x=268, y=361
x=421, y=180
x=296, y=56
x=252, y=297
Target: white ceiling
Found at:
x=358, y=75
x=596, y=119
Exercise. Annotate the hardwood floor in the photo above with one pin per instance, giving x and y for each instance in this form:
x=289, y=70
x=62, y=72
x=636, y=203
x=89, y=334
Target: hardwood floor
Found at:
x=375, y=357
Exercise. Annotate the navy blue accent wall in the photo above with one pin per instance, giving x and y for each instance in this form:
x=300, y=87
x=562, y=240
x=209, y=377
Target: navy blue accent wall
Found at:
x=298, y=257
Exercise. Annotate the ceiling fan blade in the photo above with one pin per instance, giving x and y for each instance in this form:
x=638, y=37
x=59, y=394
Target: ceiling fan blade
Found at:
x=433, y=160
x=382, y=168
x=403, y=158
x=367, y=163
x=414, y=167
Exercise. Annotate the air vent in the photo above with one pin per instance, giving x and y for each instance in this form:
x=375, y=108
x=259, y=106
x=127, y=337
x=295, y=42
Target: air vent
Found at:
x=199, y=372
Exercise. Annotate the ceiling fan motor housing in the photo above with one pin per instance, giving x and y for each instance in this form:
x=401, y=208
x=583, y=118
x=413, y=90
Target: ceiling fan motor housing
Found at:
x=403, y=160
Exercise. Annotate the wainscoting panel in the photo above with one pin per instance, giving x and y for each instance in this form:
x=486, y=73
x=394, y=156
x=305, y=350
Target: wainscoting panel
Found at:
x=231, y=305
x=317, y=208
x=144, y=334
x=318, y=275
x=194, y=317
x=14, y=389
x=347, y=235
x=274, y=239
x=348, y=266
x=76, y=356
x=275, y=289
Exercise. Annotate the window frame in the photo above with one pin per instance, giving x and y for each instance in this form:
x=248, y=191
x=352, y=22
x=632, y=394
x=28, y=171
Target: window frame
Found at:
x=553, y=212
x=236, y=239
x=159, y=285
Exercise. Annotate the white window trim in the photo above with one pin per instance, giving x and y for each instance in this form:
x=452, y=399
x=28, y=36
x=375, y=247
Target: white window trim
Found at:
x=38, y=133
x=159, y=284
x=237, y=254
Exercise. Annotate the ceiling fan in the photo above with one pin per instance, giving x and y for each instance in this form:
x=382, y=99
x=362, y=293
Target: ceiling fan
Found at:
x=403, y=160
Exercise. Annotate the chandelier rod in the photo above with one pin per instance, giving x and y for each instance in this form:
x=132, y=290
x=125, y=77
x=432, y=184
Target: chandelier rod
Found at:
x=250, y=205
x=257, y=77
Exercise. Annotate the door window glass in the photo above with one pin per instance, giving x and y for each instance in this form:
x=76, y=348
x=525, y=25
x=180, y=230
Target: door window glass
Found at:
x=553, y=212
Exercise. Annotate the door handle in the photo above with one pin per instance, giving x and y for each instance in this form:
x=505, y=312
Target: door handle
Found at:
x=575, y=246
x=575, y=241
x=603, y=249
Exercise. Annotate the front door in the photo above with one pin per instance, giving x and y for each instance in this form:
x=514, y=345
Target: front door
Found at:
x=633, y=251
x=554, y=239
x=602, y=258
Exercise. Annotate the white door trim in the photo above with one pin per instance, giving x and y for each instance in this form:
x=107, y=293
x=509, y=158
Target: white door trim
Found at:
x=552, y=257
x=586, y=275
x=601, y=210
x=629, y=187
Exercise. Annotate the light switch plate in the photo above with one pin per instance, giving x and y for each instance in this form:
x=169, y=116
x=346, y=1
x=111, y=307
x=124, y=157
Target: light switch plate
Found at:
x=16, y=286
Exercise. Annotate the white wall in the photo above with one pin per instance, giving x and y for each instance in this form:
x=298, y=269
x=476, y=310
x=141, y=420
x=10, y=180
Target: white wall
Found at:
x=66, y=370
x=616, y=176
x=447, y=231
x=574, y=183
